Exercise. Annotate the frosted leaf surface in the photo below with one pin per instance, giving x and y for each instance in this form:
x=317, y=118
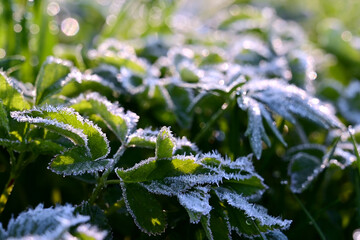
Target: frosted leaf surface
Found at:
x=307, y=161
x=91, y=143
x=69, y=123
x=165, y=143
x=289, y=101
x=121, y=123
x=76, y=83
x=145, y=209
x=143, y=138
x=11, y=96
x=48, y=82
x=44, y=223
x=255, y=130
x=255, y=212
x=116, y=53
x=193, y=180
x=196, y=201
x=349, y=103
x=91, y=232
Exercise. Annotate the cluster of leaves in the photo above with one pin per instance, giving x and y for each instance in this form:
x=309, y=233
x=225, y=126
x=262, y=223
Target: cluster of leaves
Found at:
x=233, y=80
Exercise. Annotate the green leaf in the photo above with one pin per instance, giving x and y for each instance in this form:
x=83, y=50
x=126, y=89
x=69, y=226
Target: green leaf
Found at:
x=119, y=122
x=249, y=188
x=97, y=217
x=248, y=218
x=303, y=168
x=76, y=161
x=157, y=169
x=165, y=144
x=12, y=99
x=143, y=138
x=67, y=122
x=216, y=224
x=48, y=82
x=144, y=208
x=15, y=145
x=4, y=121
x=44, y=223
x=11, y=63
x=78, y=83
x=45, y=146
x=118, y=54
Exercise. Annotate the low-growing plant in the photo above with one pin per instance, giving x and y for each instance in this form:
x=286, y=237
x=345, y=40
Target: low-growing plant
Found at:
x=239, y=89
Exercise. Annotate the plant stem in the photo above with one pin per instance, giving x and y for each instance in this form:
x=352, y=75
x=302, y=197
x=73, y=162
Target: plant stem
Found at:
x=112, y=182
x=7, y=192
x=312, y=220
x=16, y=167
x=103, y=179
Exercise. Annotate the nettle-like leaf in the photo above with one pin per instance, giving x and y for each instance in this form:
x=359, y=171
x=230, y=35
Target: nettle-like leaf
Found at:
x=307, y=161
x=259, y=97
x=195, y=181
x=118, y=54
x=119, y=122
x=91, y=143
x=48, y=223
x=76, y=83
x=165, y=144
x=48, y=81
x=11, y=63
x=146, y=138
x=11, y=97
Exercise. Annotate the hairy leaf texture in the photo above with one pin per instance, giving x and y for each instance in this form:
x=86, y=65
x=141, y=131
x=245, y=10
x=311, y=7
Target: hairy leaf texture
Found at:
x=258, y=97
x=50, y=223
x=91, y=143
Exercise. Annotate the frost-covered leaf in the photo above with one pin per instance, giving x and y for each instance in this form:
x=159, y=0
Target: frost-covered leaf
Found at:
x=248, y=218
x=11, y=63
x=88, y=232
x=120, y=123
x=145, y=138
x=76, y=83
x=286, y=100
x=158, y=169
x=216, y=224
x=97, y=218
x=67, y=122
x=91, y=143
x=11, y=97
x=144, y=208
x=289, y=101
x=44, y=223
x=307, y=161
x=255, y=130
x=165, y=144
x=76, y=161
x=48, y=81
x=349, y=102
x=275, y=235
x=196, y=202
x=15, y=145
x=303, y=168
x=118, y=54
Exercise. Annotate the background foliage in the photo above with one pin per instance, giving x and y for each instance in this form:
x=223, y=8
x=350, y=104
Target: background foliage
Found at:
x=307, y=159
